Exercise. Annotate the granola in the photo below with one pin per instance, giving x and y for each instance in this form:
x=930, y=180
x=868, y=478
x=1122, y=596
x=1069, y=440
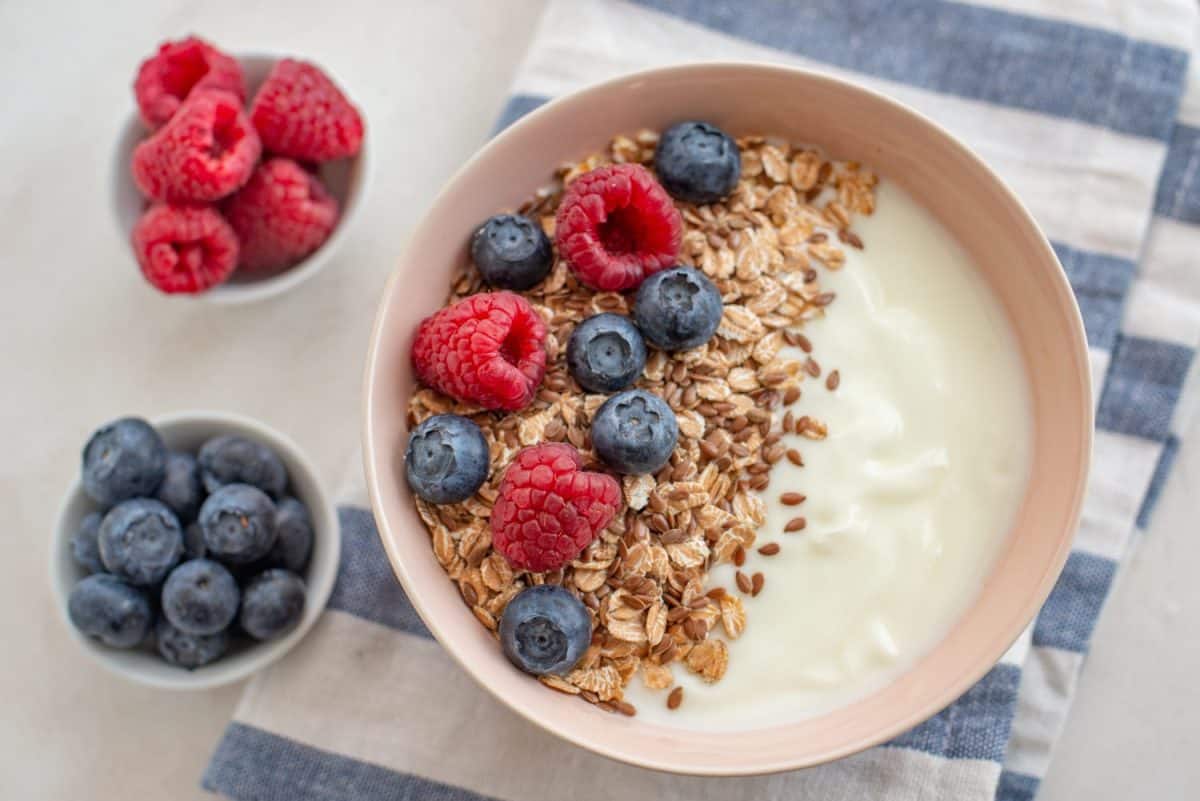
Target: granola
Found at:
x=645, y=579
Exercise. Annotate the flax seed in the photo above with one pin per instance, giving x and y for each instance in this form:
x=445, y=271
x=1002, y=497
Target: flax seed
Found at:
x=757, y=581
x=675, y=698
x=803, y=343
x=834, y=379
x=743, y=582
x=812, y=367
x=795, y=524
x=792, y=498
x=770, y=549
x=739, y=556
x=625, y=708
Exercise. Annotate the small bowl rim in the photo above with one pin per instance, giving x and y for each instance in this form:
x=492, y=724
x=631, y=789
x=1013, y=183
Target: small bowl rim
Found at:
x=374, y=450
x=319, y=578
x=132, y=130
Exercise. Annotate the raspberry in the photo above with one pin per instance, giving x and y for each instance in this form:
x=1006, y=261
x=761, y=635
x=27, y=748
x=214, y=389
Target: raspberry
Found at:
x=165, y=79
x=281, y=215
x=549, y=509
x=300, y=112
x=616, y=225
x=204, y=153
x=486, y=349
x=184, y=248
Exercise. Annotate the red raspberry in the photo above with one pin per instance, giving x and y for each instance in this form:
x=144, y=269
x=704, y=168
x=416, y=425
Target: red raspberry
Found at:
x=300, y=112
x=616, y=225
x=486, y=349
x=281, y=215
x=207, y=151
x=165, y=79
x=548, y=509
x=184, y=248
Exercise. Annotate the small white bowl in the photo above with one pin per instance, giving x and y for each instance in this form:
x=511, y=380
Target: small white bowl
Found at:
x=186, y=431
x=345, y=179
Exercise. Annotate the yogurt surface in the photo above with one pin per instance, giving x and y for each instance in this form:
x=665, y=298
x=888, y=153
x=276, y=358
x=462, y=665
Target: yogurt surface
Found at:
x=909, y=498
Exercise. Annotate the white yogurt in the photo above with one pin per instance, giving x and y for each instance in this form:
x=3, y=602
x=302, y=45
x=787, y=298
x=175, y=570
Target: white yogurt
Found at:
x=909, y=498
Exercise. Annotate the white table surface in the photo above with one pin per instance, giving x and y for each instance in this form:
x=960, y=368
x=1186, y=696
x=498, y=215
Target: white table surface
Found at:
x=84, y=341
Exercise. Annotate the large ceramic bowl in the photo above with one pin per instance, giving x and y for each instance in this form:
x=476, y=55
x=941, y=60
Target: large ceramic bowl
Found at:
x=187, y=431
x=852, y=123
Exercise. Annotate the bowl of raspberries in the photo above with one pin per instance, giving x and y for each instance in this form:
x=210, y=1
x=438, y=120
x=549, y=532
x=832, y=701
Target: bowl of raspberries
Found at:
x=193, y=551
x=237, y=175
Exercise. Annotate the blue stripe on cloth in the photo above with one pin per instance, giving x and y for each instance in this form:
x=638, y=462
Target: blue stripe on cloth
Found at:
x=1100, y=284
x=1178, y=194
x=1069, y=614
x=1162, y=471
x=1016, y=786
x=366, y=586
x=1143, y=384
x=254, y=765
x=516, y=108
x=1033, y=63
x=976, y=726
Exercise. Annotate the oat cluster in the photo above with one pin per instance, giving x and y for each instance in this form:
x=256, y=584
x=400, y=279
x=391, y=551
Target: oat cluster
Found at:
x=646, y=578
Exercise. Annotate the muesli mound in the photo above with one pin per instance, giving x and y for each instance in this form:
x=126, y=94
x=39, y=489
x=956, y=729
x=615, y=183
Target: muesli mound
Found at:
x=645, y=577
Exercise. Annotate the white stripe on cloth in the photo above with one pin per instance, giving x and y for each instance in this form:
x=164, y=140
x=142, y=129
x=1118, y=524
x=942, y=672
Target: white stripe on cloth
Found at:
x=1121, y=469
x=1087, y=186
x=401, y=703
x=1164, y=302
x=1047, y=683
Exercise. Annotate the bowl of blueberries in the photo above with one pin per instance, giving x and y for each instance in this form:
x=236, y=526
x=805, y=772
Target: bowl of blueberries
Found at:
x=194, y=550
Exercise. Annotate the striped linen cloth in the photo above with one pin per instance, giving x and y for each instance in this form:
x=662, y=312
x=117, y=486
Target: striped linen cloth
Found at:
x=1074, y=103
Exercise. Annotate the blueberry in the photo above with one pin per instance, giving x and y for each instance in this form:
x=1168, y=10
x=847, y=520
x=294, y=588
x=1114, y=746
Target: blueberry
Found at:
x=230, y=459
x=293, y=536
x=635, y=432
x=200, y=597
x=678, y=309
x=193, y=541
x=124, y=459
x=511, y=252
x=697, y=162
x=189, y=650
x=606, y=353
x=272, y=603
x=181, y=489
x=140, y=541
x=238, y=521
x=84, y=545
x=545, y=629
x=111, y=610
x=447, y=459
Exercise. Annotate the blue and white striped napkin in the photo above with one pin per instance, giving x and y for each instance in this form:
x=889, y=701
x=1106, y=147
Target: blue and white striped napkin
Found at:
x=1075, y=104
